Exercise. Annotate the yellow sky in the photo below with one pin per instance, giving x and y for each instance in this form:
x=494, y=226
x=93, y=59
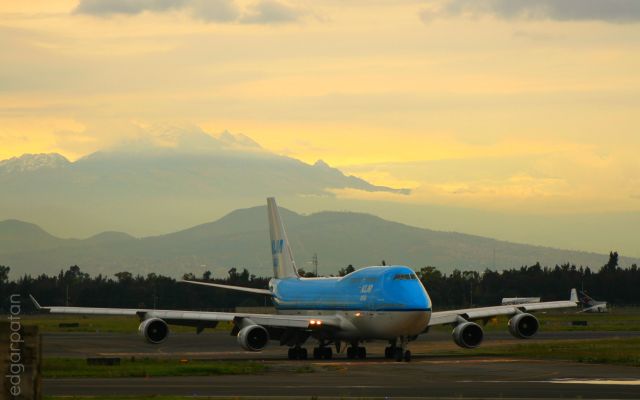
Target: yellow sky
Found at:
x=473, y=108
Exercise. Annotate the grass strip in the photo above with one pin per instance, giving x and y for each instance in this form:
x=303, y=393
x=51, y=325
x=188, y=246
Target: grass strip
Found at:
x=78, y=368
x=48, y=323
x=147, y=397
x=621, y=351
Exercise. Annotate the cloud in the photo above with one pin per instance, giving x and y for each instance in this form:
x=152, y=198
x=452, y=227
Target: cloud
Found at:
x=262, y=12
x=139, y=137
x=271, y=12
x=128, y=7
x=615, y=11
x=215, y=10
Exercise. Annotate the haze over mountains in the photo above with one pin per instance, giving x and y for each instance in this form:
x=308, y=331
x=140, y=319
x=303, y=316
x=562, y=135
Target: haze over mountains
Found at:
x=240, y=239
x=158, y=183
x=170, y=179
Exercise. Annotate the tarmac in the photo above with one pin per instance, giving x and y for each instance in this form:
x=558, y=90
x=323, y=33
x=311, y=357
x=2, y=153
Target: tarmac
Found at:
x=424, y=376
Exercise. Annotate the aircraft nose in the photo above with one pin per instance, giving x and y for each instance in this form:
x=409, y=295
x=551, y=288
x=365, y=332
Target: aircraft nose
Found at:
x=412, y=296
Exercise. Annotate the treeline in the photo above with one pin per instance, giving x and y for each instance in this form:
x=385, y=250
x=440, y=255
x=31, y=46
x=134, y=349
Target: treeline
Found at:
x=611, y=283
x=615, y=284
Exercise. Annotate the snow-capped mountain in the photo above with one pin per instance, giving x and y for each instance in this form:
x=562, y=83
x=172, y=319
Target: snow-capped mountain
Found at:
x=160, y=181
x=33, y=162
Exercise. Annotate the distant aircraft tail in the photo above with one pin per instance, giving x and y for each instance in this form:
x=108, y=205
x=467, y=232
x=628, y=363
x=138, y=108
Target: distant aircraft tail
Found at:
x=284, y=265
x=574, y=296
x=586, y=300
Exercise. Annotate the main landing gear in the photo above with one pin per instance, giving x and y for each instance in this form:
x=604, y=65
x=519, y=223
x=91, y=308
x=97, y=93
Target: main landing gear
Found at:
x=354, y=352
x=297, y=353
x=322, y=352
x=397, y=352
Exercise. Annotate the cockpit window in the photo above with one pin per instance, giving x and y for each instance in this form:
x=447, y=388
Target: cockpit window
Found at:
x=405, y=277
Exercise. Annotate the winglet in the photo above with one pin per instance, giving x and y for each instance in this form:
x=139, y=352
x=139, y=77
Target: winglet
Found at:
x=574, y=296
x=35, y=303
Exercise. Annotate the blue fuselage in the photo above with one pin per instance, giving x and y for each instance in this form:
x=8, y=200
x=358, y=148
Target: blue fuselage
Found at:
x=371, y=303
x=389, y=288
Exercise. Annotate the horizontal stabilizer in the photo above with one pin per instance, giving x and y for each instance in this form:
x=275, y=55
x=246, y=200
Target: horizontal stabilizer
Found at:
x=230, y=287
x=35, y=303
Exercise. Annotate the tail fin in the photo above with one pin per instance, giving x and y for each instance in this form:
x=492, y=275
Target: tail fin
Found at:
x=283, y=264
x=585, y=299
x=574, y=296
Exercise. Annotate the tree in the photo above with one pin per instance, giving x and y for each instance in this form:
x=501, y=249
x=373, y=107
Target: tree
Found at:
x=346, y=271
x=306, y=274
x=612, y=264
x=124, y=276
x=4, y=274
x=74, y=274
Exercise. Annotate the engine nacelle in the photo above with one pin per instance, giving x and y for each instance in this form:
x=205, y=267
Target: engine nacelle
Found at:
x=468, y=335
x=154, y=330
x=253, y=337
x=523, y=325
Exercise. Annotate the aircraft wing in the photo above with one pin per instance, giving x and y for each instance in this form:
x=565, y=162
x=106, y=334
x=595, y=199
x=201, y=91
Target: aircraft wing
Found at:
x=470, y=314
x=203, y=318
x=230, y=287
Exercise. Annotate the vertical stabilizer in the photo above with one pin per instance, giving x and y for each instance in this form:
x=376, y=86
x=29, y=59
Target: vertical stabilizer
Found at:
x=283, y=264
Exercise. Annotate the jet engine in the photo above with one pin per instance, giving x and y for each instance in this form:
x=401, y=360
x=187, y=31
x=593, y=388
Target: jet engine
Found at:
x=154, y=330
x=523, y=325
x=468, y=335
x=253, y=337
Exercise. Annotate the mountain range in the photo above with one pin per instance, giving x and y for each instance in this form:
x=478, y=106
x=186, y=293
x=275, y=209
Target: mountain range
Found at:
x=240, y=239
x=167, y=179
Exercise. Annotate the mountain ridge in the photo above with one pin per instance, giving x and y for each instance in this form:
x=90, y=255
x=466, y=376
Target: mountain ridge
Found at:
x=240, y=239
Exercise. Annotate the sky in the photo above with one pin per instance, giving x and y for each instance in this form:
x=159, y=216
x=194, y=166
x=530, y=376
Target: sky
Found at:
x=511, y=106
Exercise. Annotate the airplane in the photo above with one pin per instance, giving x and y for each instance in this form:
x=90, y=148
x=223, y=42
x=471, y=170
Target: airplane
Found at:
x=373, y=303
x=590, y=305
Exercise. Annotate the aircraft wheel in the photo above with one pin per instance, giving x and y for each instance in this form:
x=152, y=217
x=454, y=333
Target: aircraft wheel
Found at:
x=297, y=353
x=407, y=355
x=397, y=354
x=362, y=352
x=351, y=353
x=389, y=352
x=327, y=353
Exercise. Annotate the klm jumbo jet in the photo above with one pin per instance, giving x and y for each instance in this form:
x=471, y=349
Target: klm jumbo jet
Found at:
x=374, y=303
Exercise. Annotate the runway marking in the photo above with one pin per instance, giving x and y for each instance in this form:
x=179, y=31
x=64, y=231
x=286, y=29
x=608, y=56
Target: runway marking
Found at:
x=414, y=362
x=191, y=386
x=634, y=382
x=628, y=382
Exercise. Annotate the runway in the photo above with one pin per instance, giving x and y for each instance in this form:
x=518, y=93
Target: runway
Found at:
x=220, y=345
x=425, y=376
x=449, y=377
